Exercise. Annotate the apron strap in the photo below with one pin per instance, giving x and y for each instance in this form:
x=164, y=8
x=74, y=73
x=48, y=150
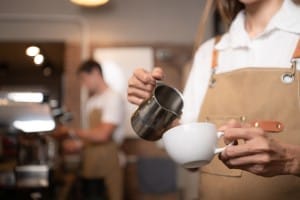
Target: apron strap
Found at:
x=215, y=53
x=297, y=51
x=268, y=126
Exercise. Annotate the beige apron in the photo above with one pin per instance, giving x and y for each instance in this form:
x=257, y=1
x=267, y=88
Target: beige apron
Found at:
x=252, y=95
x=100, y=160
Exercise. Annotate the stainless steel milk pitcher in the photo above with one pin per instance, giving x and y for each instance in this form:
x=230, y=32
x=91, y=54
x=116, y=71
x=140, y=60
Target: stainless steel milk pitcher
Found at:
x=156, y=113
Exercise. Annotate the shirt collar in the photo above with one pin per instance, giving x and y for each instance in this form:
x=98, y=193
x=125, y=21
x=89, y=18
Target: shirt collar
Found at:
x=286, y=19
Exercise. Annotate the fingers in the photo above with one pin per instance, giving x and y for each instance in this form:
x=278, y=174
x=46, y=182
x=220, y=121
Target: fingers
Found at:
x=259, y=154
x=266, y=170
x=235, y=131
x=135, y=99
x=258, y=169
x=255, y=163
x=157, y=73
x=141, y=84
x=261, y=158
x=230, y=124
x=144, y=77
x=254, y=144
x=233, y=124
x=232, y=134
x=139, y=93
x=255, y=141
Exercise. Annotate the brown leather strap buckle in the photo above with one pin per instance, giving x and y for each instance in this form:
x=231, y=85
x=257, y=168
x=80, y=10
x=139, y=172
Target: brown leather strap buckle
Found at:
x=269, y=126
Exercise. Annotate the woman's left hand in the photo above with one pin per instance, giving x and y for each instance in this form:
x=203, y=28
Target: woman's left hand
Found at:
x=259, y=153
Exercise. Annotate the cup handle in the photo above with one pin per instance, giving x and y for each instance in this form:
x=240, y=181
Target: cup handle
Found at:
x=219, y=150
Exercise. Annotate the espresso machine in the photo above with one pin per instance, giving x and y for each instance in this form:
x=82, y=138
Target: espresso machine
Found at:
x=27, y=117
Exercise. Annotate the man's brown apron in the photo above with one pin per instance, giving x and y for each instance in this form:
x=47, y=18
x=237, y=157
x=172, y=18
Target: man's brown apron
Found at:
x=252, y=95
x=100, y=160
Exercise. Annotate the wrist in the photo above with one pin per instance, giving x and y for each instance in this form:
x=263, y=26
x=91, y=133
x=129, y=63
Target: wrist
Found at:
x=72, y=134
x=293, y=165
x=81, y=134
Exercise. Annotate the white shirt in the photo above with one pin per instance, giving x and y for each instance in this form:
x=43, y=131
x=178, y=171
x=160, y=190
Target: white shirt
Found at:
x=111, y=105
x=273, y=48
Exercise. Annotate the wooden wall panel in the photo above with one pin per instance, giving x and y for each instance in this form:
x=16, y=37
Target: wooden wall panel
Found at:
x=71, y=85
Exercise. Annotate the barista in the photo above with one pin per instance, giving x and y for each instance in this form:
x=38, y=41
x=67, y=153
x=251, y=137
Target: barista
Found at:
x=246, y=75
x=105, y=114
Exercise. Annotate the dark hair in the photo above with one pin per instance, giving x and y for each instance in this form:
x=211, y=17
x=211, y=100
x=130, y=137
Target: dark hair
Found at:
x=228, y=9
x=88, y=66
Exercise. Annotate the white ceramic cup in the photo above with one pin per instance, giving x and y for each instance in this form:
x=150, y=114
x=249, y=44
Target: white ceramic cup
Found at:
x=192, y=145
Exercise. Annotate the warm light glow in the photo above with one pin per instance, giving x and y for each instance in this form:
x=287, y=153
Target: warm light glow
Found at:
x=32, y=51
x=29, y=97
x=31, y=126
x=89, y=3
x=38, y=59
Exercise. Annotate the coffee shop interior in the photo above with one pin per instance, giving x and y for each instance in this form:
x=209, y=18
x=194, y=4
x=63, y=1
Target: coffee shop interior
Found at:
x=42, y=45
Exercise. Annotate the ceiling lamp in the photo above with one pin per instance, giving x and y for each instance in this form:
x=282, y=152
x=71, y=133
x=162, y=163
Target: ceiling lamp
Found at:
x=32, y=51
x=89, y=3
x=38, y=59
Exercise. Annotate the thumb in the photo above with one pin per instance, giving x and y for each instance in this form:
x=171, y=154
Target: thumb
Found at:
x=158, y=73
x=222, y=129
x=230, y=124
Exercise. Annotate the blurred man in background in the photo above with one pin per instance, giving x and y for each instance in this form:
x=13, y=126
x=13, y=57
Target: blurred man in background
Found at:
x=105, y=114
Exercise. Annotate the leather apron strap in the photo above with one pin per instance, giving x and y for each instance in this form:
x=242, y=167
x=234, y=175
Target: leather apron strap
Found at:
x=214, y=61
x=215, y=54
x=297, y=51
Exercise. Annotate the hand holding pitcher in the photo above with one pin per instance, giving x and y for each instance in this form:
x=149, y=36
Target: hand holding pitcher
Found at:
x=142, y=84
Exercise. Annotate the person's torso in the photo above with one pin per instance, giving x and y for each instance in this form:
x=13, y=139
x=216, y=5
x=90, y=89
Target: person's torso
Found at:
x=252, y=95
x=99, y=158
x=272, y=48
x=98, y=107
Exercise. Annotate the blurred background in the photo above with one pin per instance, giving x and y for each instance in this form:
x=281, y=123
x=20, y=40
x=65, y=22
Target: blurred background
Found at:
x=42, y=43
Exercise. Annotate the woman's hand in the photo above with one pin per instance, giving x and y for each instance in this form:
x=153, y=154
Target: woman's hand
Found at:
x=141, y=84
x=259, y=153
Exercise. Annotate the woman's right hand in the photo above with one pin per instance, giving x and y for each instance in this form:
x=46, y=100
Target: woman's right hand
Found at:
x=142, y=83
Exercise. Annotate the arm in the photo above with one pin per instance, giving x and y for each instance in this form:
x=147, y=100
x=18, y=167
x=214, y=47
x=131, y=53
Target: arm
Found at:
x=259, y=154
x=102, y=133
x=112, y=116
